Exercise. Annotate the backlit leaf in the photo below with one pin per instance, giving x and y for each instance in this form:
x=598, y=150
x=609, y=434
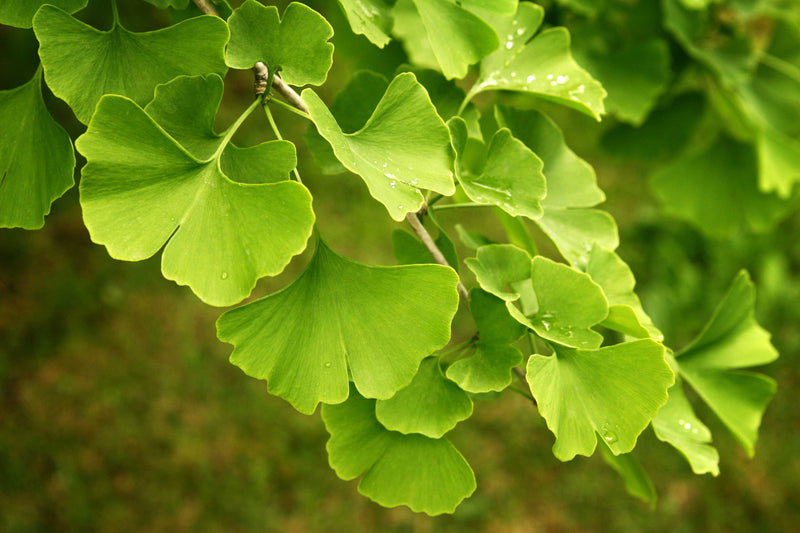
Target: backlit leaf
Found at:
x=29, y=182
x=296, y=45
x=338, y=318
x=613, y=392
x=428, y=475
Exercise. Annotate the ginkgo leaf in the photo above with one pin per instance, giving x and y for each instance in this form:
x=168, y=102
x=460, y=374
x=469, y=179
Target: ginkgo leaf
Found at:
x=712, y=363
x=296, y=45
x=677, y=424
x=717, y=189
x=501, y=269
x=569, y=304
x=495, y=325
x=428, y=475
x=20, y=13
x=447, y=97
x=430, y=405
x=637, y=482
x=29, y=183
x=511, y=177
x=403, y=147
x=338, y=318
x=371, y=18
x=576, y=231
x=626, y=314
x=613, y=391
x=540, y=64
x=140, y=190
x=81, y=64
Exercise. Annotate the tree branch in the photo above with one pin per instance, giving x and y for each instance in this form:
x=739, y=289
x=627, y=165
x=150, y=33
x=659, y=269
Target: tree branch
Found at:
x=437, y=254
x=260, y=69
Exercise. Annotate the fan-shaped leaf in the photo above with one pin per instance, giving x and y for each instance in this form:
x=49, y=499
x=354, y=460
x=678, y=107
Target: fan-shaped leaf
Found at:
x=378, y=323
x=501, y=269
x=371, y=18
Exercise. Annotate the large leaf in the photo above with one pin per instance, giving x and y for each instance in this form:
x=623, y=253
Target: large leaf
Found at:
x=372, y=18
x=296, y=45
x=141, y=189
x=541, y=64
x=338, y=318
x=712, y=363
x=20, y=13
x=81, y=64
x=614, y=392
x=430, y=405
x=717, y=190
x=428, y=475
x=36, y=157
x=511, y=177
x=403, y=147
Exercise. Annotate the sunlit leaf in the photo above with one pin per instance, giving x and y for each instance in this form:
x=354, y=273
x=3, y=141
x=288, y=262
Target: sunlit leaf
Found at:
x=371, y=18
x=500, y=269
x=404, y=146
x=81, y=64
x=614, y=392
x=29, y=182
x=338, y=318
x=428, y=475
x=296, y=45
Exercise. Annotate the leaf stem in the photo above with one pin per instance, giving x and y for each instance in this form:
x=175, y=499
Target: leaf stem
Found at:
x=522, y=393
x=291, y=108
x=437, y=254
x=781, y=65
x=462, y=205
x=469, y=96
x=521, y=375
x=114, y=13
x=234, y=127
x=277, y=132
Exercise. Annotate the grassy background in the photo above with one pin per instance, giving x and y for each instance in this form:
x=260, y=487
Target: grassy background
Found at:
x=120, y=412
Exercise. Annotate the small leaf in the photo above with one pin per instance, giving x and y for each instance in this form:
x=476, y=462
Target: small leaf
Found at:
x=430, y=405
x=540, y=65
x=711, y=364
x=637, y=482
x=569, y=304
x=511, y=178
x=471, y=239
x=81, y=64
x=29, y=183
x=371, y=18
x=677, y=424
x=403, y=147
x=614, y=392
x=20, y=13
x=141, y=189
x=500, y=268
x=495, y=325
x=576, y=231
x=378, y=323
x=427, y=475
x=296, y=46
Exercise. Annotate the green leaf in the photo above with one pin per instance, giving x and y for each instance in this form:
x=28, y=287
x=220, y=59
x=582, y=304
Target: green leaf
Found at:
x=408, y=27
x=430, y=405
x=495, y=325
x=778, y=162
x=637, y=482
x=141, y=189
x=471, y=239
x=29, y=183
x=457, y=37
x=20, y=13
x=340, y=317
x=296, y=46
x=614, y=392
x=717, y=190
x=540, y=65
x=616, y=279
x=164, y=4
x=447, y=97
x=81, y=64
x=500, y=268
x=634, y=77
x=711, y=364
x=511, y=178
x=371, y=18
x=403, y=147
x=576, y=231
x=569, y=304
x=427, y=475
x=677, y=424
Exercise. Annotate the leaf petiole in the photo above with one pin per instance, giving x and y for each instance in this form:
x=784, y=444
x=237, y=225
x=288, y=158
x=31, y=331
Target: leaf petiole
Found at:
x=226, y=139
x=277, y=132
x=461, y=205
x=291, y=108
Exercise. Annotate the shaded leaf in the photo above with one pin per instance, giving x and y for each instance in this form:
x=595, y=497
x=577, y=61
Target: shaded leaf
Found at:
x=500, y=269
x=20, y=13
x=371, y=18
x=29, y=183
x=296, y=46
x=403, y=147
x=427, y=475
x=340, y=317
x=81, y=64
x=614, y=392
x=637, y=482
x=408, y=250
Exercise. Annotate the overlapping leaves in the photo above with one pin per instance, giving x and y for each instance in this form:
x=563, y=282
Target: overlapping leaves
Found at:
x=223, y=225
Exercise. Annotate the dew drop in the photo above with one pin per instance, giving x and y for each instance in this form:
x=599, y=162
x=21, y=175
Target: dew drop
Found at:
x=562, y=79
x=224, y=275
x=328, y=364
x=513, y=74
x=509, y=45
x=609, y=436
x=520, y=31
x=531, y=78
x=549, y=76
x=392, y=184
x=687, y=426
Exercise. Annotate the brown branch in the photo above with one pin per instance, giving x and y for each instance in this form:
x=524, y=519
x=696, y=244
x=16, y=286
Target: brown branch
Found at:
x=437, y=254
x=206, y=7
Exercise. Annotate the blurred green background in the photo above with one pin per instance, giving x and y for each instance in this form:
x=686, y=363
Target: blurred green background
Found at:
x=120, y=412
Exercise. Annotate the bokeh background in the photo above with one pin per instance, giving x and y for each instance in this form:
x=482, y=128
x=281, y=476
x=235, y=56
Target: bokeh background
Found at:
x=120, y=412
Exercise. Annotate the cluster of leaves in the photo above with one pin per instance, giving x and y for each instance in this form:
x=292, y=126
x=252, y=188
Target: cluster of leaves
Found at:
x=368, y=342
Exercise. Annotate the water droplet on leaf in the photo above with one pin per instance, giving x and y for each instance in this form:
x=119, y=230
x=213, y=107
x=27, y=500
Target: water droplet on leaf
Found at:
x=224, y=275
